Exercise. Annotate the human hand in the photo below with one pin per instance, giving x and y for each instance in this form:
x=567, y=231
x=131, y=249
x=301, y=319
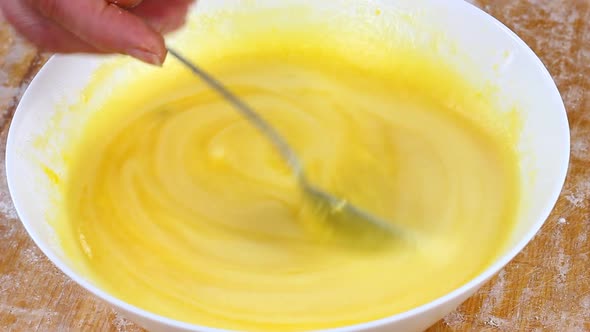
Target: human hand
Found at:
x=132, y=27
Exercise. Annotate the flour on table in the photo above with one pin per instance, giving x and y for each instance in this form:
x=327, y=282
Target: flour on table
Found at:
x=494, y=298
x=580, y=194
x=9, y=222
x=455, y=320
x=581, y=147
x=13, y=54
x=577, y=201
x=6, y=207
x=563, y=267
x=582, y=239
x=561, y=263
x=121, y=323
x=496, y=322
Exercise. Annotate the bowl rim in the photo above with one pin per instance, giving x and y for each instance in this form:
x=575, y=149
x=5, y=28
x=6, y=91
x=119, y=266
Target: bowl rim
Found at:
x=471, y=285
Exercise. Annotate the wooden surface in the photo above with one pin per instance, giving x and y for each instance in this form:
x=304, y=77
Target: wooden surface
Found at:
x=546, y=288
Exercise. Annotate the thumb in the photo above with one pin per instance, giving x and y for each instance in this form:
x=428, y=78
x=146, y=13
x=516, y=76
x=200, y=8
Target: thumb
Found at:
x=106, y=27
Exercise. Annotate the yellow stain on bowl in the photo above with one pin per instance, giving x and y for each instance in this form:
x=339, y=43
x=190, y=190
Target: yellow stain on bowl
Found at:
x=175, y=204
x=51, y=175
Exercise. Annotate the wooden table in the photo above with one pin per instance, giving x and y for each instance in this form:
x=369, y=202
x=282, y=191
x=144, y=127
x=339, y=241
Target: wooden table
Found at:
x=546, y=288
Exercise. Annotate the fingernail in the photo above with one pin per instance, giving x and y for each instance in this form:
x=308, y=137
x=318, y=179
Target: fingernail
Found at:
x=145, y=56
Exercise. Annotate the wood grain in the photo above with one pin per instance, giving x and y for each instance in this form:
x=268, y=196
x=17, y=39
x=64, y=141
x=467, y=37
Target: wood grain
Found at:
x=545, y=288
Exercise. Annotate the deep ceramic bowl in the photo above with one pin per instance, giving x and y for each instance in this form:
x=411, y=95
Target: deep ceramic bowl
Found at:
x=479, y=41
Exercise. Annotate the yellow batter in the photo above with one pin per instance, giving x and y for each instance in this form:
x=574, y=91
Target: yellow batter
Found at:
x=175, y=204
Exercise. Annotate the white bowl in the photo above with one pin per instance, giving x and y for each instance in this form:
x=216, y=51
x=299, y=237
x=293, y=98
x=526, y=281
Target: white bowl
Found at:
x=500, y=56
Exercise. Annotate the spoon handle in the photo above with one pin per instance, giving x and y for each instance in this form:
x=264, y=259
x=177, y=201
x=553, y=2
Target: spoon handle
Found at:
x=277, y=140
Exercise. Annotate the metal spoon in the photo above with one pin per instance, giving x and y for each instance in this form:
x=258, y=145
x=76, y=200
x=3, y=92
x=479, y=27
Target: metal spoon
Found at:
x=338, y=212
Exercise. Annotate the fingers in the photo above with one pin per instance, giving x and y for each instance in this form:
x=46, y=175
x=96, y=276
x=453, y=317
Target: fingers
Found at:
x=164, y=16
x=106, y=27
x=96, y=26
x=44, y=33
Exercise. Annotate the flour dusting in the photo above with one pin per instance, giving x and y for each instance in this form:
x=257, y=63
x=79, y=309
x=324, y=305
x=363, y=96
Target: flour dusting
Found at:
x=121, y=323
x=455, y=320
x=9, y=223
x=561, y=263
x=563, y=267
x=9, y=97
x=5, y=283
x=577, y=201
x=580, y=147
x=7, y=209
x=496, y=322
x=581, y=240
x=580, y=194
x=32, y=255
x=494, y=298
x=15, y=54
x=7, y=94
x=28, y=313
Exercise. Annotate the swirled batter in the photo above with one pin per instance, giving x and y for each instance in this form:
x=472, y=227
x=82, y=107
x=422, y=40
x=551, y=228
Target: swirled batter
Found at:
x=177, y=205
